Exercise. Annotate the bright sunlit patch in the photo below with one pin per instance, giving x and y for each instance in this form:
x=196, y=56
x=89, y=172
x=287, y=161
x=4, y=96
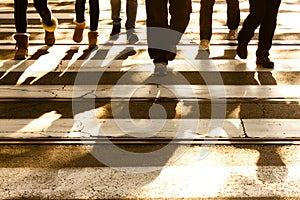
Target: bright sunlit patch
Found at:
x=40, y=124
x=287, y=90
x=87, y=123
x=235, y=113
x=43, y=65
x=182, y=110
x=12, y=68
x=187, y=182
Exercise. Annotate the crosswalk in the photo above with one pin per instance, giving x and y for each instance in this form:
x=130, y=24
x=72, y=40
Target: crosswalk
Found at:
x=68, y=84
x=69, y=94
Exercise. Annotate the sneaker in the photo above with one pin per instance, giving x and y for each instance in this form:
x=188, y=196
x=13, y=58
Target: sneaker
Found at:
x=232, y=34
x=264, y=61
x=132, y=38
x=241, y=50
x=115, y=30
x=160, y=69
x=204, y=45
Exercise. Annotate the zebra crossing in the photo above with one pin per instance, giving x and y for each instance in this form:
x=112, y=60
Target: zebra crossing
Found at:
x=70, y=84
x=69, y=94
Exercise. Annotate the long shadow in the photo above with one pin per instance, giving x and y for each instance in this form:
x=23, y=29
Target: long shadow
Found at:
x=10, y=77
x=268, y=155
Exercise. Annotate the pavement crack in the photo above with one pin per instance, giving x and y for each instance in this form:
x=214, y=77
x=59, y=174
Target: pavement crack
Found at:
x=88, y=93
x=244, y=129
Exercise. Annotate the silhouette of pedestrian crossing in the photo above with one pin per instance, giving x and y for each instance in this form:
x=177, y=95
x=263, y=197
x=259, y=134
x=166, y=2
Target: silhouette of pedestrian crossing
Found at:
x=57, y=90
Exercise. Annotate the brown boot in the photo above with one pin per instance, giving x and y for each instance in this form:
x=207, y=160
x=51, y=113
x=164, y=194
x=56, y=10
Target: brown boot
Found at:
x=78, y=31
x=21, y=45
x=49, y=32
x=93, y=39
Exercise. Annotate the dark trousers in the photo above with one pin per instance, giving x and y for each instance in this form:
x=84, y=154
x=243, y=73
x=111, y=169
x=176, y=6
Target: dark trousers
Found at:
x=94, y=12
x=20, y=13
x=163, y=36
x=263, y=13
x=206, y=11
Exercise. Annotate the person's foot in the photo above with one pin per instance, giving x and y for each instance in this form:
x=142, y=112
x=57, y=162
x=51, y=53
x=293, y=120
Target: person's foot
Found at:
x=49, y=38
x=49, y=32
x=204, y=45
x=93, y=39
x=78, y=31
x=115, y=30
x=232, y=34
x=132, y=38
x=264, y=61
x=160, y=69
x=241, y=50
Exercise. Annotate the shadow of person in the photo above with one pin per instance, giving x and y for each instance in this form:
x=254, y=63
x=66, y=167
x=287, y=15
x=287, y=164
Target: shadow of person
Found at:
x=268, y=154
x=202, y=54
x=228, y=54
x=123, y=55
x=11, y=77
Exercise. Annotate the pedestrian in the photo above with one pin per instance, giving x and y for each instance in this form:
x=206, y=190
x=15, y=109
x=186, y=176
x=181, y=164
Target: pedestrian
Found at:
x=80, y=22
x=263, y=13
x=206, y=11
x=131, y=11
x=49, y=24
x=162, y=35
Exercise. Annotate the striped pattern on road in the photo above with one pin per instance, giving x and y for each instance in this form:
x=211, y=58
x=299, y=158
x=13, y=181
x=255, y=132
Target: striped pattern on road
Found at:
x=249, y=96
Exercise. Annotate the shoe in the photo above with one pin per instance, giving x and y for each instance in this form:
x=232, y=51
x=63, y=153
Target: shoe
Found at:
x=204, y=44
x=132, y=38
x=232, y=34
x=264, y=61
x=78, y=31
x=49, y=38
x=115, y=30
x=93, y=39
x=21, y=45
x=49, y=32
x=241, y=50
x=160, y=69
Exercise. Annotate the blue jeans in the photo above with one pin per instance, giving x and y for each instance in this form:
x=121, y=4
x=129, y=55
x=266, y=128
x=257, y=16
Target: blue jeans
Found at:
x=206, y=11
x=131, y=10
x=94, y=12
x=20, y=16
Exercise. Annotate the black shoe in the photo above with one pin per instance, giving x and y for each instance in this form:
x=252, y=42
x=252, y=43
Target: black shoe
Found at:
x=115, y=30
x=160, y=69
x=264, y=61
x=241, y=50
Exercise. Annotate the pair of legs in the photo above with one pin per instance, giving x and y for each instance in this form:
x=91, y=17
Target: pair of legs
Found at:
x=20, y=13
x=162, y=35
x=80, y=21
x=263, y=13
x=131, y=10
x=49, y=23
x=206, y=11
